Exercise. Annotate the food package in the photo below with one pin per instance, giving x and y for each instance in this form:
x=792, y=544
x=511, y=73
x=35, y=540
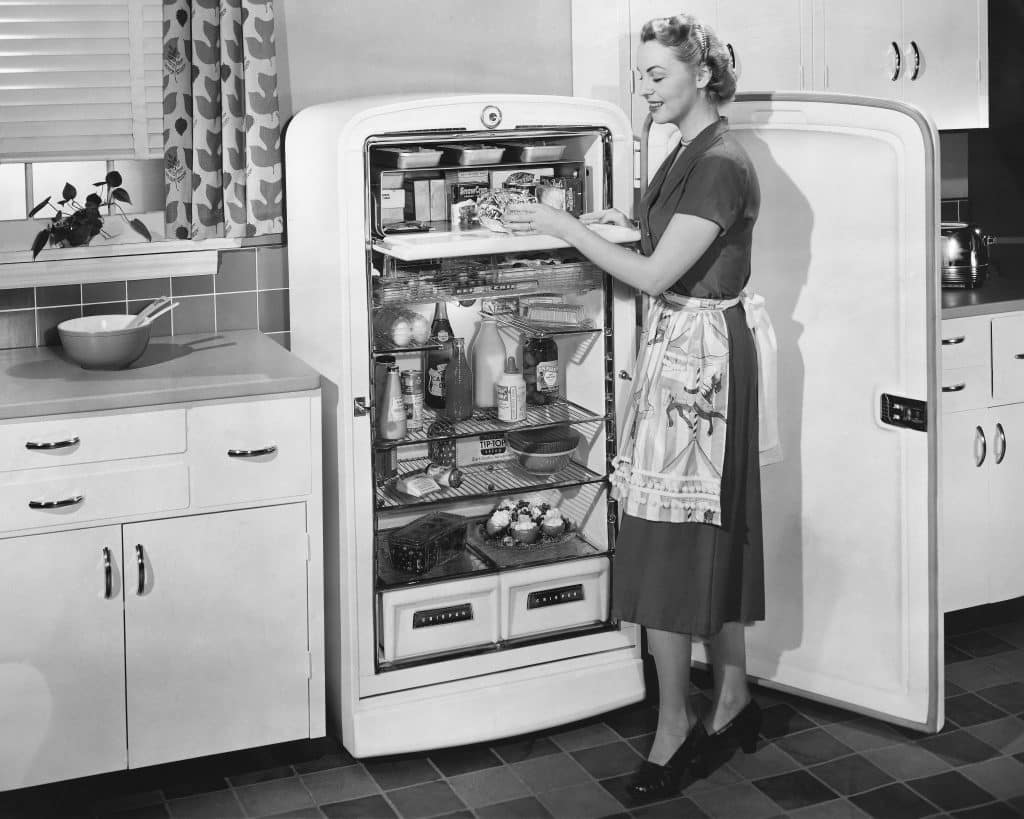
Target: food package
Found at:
x=482, y=449
x=562, y=192
x=532, y=176
x=491, y=207
x=427, y=542
x=417, y=199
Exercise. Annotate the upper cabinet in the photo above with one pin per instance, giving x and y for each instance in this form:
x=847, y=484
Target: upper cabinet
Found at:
x=929, y=53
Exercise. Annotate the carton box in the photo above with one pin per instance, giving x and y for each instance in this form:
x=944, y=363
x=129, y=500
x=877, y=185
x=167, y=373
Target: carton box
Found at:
x=417, y=200
x=483, y=449
x=438, y=201
x=562, y=192
x=498, y=177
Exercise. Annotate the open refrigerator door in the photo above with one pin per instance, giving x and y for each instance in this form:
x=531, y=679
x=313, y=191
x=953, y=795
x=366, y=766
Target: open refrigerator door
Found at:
x=469, y=546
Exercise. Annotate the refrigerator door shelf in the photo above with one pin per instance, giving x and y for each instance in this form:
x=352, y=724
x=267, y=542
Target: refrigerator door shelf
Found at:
x=417, y=246
x=554, y=597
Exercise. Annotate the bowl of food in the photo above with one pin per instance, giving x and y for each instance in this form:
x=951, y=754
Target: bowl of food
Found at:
x=106, y=342
x=543, y=451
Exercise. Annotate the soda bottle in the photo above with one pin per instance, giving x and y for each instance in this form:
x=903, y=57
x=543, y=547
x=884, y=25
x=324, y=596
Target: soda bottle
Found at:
x=391, y=423
x=437, y=359
x=540, y=369
x=458, y=385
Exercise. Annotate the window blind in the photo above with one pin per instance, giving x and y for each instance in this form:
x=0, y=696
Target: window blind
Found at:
x=80, y=79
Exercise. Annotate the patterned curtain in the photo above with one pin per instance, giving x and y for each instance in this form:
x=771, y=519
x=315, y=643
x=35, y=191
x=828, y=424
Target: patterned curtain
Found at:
x=222, y=126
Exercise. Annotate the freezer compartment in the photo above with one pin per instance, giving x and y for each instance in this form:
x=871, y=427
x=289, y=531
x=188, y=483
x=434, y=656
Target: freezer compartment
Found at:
x=554, y=598
x=439, y=619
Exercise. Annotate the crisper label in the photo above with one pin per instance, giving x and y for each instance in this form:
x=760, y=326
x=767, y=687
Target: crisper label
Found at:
x=481, y=449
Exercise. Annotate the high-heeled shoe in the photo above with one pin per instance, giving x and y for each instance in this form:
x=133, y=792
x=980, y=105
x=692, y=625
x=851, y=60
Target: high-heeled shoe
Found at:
x=653, y=781
x=719, y=746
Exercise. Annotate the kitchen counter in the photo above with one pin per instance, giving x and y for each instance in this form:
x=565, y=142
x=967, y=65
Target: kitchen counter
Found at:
x=1000, y=294
x=38, y=381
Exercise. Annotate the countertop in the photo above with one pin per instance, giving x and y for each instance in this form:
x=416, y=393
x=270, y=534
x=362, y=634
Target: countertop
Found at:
x=42, y=381
x=1002, y=294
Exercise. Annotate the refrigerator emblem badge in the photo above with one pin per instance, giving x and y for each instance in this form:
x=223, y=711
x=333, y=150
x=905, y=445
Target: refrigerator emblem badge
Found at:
x=491, y=116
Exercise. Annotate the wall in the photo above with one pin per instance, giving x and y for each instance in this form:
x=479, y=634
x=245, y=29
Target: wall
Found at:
x=328, y=51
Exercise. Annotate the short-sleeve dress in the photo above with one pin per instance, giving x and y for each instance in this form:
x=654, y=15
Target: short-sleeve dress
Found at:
x=691, y=578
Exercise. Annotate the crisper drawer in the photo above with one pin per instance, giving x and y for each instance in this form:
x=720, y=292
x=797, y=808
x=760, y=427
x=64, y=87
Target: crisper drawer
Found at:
x=439, y=617
x=247, y=451
x=965, y=342
x=63, y=441
x=966, y=388
x=554, y=597
x=77, y=495
x=1008, y=359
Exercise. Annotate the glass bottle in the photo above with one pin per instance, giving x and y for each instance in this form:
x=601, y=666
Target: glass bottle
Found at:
x=391, y=424
x=488, y=362
x=440, y=327
x=540, y=369
x=458, y=385
x=438, y=359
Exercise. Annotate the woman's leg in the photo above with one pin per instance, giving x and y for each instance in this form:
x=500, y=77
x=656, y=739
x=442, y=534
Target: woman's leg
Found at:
x=729, y=662
x=671, y=652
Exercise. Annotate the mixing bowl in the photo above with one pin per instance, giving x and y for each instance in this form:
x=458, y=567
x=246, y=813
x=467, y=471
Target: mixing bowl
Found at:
x=104, y=342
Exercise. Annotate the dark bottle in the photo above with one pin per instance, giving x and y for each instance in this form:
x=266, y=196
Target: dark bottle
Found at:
x=437, y=360
x=540, y=369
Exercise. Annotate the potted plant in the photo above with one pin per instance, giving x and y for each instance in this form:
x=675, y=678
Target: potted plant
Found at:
x=76, y=224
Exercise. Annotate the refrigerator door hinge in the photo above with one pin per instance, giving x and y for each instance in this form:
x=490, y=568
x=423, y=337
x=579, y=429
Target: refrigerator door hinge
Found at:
x=636, y=163
x=361, y=407
x=309, y=666
x=309, y=548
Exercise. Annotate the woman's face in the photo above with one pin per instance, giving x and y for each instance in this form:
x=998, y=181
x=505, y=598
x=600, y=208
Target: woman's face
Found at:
x=670, y=86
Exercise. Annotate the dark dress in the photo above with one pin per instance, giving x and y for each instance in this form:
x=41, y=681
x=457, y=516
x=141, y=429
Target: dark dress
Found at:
x=691, y=578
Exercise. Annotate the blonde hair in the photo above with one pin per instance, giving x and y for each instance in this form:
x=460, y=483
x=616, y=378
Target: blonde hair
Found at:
x=695, y=44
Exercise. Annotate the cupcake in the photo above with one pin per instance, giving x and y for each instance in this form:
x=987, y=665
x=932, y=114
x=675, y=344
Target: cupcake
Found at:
x=498, y=522
x=525, y=530
x=553, y=523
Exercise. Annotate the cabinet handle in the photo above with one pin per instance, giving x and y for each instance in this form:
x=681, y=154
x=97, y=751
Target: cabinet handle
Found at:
x=252, y=453
x=954, y=340
x=108, y=575
x=899, y=62
x=1000, y=444
x=140, y=560
x=57, y=504
x=979, y=441
x=72, y=441
x=955, y=387
x=917, y=61
x=732, y=55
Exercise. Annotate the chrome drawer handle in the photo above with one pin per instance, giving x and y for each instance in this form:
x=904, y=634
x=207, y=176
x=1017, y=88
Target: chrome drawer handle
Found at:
x=56, y=504
x=108, y=579
x=955, y=387
x=72, y=441
x=252, y=453
x=954, y=340
x=140, y=560
x=899, y=62
x=1000, y=443
x=980, y=447
x=917, y=61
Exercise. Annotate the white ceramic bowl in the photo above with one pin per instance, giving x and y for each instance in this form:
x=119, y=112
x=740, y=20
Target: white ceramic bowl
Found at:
x=104, y=342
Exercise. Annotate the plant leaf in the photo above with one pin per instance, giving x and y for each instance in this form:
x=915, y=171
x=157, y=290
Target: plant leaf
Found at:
x=69, y=192
x=39, y=242
x=39, y=207
x=113, y=179
x=140, y=228
x=121, y=195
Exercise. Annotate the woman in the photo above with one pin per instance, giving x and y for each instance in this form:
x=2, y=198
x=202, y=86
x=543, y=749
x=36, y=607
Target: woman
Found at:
x=689, y=555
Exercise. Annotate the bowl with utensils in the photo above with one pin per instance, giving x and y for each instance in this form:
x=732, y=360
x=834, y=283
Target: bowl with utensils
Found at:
x=110, y=342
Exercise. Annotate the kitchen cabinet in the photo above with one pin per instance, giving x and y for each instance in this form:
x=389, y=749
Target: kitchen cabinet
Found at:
x=168, y=588
x=982, y=461
x=929, y=53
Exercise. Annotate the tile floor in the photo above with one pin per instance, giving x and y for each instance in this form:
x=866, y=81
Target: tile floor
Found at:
x=813, y=761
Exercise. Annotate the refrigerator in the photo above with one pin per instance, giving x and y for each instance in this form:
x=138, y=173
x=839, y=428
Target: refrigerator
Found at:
x=479, y=637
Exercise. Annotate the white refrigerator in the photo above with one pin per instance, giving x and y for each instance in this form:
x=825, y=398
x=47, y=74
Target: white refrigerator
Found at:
x=493, y=638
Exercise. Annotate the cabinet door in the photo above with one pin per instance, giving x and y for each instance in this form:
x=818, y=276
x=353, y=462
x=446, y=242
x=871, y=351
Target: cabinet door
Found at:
x=945, y=51
x=1004, y=560
x=216, y=635
x=968, y=451
x=859, y=48
x=61, y=657
x=767, y=43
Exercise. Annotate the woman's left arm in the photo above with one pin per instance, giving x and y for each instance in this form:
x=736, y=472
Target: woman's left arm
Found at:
x=684, y=241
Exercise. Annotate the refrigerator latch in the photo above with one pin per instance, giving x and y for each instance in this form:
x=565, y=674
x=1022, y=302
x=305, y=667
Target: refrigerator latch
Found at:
x=360, y=407
x=898, y=411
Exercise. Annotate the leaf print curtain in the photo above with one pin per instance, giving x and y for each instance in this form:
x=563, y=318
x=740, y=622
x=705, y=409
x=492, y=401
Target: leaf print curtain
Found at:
x=222, y=127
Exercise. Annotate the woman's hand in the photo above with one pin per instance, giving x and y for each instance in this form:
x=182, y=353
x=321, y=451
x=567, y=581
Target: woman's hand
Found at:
x=533, y=217
x=610, y=216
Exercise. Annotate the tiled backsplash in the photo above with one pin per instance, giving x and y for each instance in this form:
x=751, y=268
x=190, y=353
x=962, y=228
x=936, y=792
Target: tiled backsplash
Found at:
x=249, y=292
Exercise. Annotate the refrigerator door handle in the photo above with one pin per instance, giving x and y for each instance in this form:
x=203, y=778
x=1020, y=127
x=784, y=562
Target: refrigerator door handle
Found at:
x=361, y=407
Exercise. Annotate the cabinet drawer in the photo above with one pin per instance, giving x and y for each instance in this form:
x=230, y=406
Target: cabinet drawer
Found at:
x=249, y=451
x=965, y=388
x=1008, y=359
x=965, y=342
x=90, y=438
x=438, y=618
x=554, y=597
x=73, y=495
